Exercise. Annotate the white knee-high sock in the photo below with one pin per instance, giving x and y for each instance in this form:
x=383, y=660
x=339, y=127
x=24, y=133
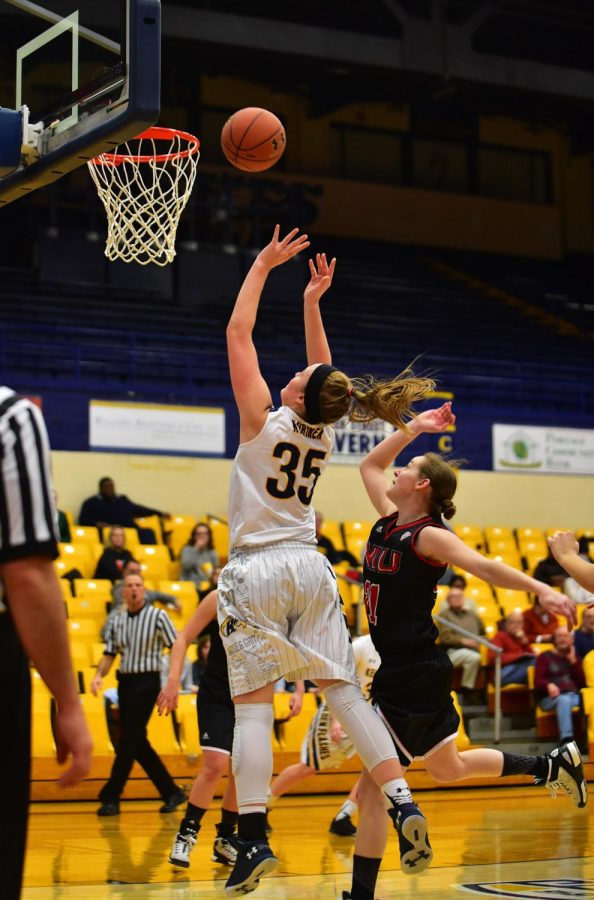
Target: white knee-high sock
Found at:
x=252, y=755
x=364, y=727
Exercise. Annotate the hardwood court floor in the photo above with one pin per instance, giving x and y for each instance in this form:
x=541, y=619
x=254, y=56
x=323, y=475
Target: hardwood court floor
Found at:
x=486, y=842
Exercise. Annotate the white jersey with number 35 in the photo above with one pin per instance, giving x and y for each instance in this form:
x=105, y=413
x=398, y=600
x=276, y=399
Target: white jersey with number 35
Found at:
x=273, y=480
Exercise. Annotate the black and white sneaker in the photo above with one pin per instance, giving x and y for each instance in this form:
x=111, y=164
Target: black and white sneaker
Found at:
x=224, y=850
x=343, y=826
x=182, y=847
x=254, y=859
x=415, y=850
x=566, y=774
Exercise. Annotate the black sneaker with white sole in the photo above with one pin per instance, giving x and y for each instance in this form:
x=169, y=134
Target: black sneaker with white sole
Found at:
x=224, y=849
x=566, y=774
x=343, y=826
x=415, y=850
x=254, y=859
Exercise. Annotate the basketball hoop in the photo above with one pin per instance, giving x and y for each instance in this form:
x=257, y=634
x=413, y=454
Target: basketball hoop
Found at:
x=144, y=185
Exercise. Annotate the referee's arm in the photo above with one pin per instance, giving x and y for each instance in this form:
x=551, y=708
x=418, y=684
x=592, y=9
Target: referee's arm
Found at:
x=32, y=591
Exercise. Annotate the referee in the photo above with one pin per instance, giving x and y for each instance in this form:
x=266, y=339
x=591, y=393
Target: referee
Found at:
x=32, y=624
x=139, y=634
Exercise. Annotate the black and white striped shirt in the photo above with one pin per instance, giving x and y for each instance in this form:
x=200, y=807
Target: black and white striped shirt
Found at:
x=140, y=638
x=27, y=517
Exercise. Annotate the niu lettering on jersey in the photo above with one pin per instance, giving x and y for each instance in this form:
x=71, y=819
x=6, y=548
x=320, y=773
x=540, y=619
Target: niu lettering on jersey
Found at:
x=400, y=590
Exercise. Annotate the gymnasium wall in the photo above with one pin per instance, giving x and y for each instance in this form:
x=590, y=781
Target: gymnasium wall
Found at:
x=197, y=486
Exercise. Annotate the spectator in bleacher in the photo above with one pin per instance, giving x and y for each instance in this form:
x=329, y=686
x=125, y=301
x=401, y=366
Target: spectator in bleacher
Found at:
x=558, y=677
x=517, y=656
x=199, y=558
x=108, y=508
x=110, y=564
x=326, y=546
x=211, y=584
x=139, y=636
x=566, y=551
x=583, y=637
x=200, y=663
x=463, y=651
x=62, y=522
x=539, y=624
x=550, y=571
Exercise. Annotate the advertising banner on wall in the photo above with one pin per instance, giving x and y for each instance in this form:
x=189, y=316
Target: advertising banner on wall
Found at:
x=157, y=428
x=531, y=448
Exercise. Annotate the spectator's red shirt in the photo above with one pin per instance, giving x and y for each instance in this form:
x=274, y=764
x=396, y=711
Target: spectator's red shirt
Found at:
x=552, y=668
x=534, y=626
x=513, y=649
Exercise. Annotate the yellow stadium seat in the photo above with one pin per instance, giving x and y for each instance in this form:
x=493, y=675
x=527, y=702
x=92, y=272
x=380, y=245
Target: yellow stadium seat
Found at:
x=550, y=532
x=87, y=608
x=355, y=528
x=462, y=739
x=89, y=588
x=80, y=652
x=161, y=734
x=85, y=534
x=510, y=600
x=86, y=630
x=497, y=532
x=480, y=592
x=97, y=648
x=69, y=519
x=132, y=539
x=38, y=686
x=503, y=545
x=471, y=535
x=532, y=560
x=154, y=561
x=292, y=731
x=179, y=531
x=42, y=738
x=332, y=530
x=588, y=666
x=77, y=556
x=108, y=681
x=185, y=592
x=530, y=534
x=533, y=547
x=94, y=711
x=220, y=537
x=510, y=558
x=153, y=522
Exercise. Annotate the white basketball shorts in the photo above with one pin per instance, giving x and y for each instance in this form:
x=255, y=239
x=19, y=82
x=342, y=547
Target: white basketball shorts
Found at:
x=280, y=615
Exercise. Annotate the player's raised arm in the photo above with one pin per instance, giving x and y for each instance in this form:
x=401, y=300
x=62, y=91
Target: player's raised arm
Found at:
x=373, y=468
x=565, y=549
x=251, y=392
x=316, y=342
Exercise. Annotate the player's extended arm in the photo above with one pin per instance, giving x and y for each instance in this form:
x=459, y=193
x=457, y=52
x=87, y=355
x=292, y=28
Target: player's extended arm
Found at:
x=251, y=392
x=565, y=550
x=373, y=468
x=316, y=342
x=201, y=617
x=441, y=545
x=37, y=609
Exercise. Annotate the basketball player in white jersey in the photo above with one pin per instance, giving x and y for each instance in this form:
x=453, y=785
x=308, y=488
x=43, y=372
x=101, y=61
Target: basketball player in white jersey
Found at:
x=326, y=746
x=279, y=610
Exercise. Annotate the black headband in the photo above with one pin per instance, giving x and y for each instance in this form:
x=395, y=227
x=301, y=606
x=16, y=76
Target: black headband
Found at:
x=312, y=392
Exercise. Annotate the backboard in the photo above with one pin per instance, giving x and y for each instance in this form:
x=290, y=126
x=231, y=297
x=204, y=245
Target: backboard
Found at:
x=85, y=75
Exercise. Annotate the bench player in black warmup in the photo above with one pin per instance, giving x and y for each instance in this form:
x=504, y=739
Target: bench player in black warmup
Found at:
x=407, y=553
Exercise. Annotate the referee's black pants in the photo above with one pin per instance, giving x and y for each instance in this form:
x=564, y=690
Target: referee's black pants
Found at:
x=15, y=750
x=137, y=695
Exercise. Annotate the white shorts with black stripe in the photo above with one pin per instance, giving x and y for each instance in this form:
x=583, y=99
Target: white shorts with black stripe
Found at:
x=280, y=615
x=318, y=750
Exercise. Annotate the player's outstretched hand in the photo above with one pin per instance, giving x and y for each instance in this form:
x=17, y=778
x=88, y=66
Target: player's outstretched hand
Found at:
x=434, y=421
x=559, y=604
x=72, y=740
x=563, y=544
x=321, y=273
x=279, y=251
x=167, y=699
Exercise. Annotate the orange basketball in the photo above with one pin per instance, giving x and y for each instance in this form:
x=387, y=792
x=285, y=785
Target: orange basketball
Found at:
x=253, y=139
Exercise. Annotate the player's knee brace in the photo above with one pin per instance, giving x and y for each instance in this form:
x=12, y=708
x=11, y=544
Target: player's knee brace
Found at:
x=252, y=753
x=361, y=723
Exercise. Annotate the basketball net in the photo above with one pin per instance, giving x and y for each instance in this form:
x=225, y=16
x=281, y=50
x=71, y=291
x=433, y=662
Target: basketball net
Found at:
x=144, y=185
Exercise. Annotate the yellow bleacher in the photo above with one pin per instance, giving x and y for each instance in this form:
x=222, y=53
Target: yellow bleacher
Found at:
x=89, y=588
x=94, y=711
x=185, y=716
x=185, y=592
x=220, y=537
x=154, y=561
x=292, y=732
x=179, y=530
x=77, y=556
x=510, y=600
x=154, y=523
x=471, y=535
x=161, y=734
x=84, y=534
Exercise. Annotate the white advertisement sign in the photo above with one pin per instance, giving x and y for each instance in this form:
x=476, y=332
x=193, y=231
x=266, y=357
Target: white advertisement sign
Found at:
x=354, y=440
x=529, y=448
x=157, y=428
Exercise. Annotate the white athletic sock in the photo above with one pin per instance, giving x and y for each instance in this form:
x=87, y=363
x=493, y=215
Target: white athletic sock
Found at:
x=364, y=727
x=396, y=792
x=252, y=755
x=348, y=808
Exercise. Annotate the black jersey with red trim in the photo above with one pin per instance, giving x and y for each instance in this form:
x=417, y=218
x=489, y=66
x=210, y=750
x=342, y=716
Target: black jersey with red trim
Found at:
x=215, y=678
x=400, y=591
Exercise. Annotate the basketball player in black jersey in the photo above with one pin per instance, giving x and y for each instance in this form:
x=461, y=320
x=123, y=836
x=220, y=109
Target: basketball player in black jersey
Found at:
x=407, y=553
x=216, y=720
